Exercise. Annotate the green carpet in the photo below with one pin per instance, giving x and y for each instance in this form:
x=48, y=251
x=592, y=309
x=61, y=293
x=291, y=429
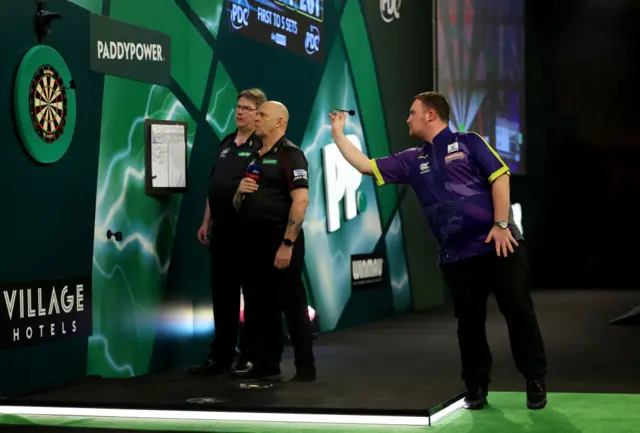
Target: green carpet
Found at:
x=566, y=413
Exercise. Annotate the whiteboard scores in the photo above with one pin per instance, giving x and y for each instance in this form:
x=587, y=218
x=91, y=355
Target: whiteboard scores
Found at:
x=165, y=157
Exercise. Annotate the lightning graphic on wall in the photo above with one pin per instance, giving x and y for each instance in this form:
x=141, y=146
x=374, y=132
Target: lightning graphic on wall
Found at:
x=125, y=271
x=327, y=266
x=128, y=276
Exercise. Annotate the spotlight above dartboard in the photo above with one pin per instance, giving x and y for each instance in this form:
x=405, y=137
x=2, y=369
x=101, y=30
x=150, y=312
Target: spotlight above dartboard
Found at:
x=43, y=21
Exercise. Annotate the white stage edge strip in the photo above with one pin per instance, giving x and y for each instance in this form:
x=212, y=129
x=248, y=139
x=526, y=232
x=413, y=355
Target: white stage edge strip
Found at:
x=449, y=410
x=231, y=416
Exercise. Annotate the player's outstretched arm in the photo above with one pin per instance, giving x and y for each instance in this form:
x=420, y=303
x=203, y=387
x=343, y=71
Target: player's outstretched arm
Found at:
x=351, y=154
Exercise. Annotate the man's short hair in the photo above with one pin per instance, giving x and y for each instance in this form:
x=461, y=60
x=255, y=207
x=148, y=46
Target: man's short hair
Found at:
x=437, y=103
x=256, y=96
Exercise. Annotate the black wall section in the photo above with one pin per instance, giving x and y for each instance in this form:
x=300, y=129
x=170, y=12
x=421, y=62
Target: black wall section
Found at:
x=405, y=66
x=48, y=219
x=583, y=143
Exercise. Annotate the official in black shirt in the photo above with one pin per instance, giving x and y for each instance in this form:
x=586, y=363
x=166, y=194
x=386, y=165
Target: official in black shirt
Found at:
x=272, y=210
x=219, y=230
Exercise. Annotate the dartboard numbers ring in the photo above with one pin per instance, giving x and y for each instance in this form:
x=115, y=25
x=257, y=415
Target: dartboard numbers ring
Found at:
x=48, y=104
x=45, y=108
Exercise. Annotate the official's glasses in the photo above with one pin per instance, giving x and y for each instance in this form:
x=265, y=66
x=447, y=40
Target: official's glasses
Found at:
x=244, y=108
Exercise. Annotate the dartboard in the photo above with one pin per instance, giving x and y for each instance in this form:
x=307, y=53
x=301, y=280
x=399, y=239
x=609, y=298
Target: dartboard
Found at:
x=44, y=104
x=48, y=103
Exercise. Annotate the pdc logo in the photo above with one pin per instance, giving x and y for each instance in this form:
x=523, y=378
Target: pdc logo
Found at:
x=312, y=40
x=238, y=14
x=390, y=10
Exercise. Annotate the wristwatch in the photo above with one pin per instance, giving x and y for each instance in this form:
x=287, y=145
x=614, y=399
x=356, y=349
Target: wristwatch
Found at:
x=288, y=242
x=502, y=224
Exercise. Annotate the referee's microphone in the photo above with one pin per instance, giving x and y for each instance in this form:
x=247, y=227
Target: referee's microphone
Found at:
x=253, y=172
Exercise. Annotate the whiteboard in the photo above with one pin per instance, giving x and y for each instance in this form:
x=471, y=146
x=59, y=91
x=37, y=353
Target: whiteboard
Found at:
x=168, y=156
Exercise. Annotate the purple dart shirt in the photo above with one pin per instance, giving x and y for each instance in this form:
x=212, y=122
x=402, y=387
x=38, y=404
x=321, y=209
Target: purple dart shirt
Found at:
x=452, y=178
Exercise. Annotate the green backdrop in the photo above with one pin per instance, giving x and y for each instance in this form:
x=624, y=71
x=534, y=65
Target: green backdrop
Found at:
x=151, y=296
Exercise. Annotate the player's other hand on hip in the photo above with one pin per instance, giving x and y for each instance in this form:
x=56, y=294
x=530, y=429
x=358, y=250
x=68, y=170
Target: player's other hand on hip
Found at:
x=504, y=240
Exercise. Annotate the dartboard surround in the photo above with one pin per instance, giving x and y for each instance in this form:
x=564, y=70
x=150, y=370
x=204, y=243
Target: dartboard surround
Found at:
x=44, y=104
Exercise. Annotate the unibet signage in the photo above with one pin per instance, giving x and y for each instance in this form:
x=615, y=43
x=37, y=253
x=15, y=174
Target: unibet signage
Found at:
x=341, y=183
x=367, y=270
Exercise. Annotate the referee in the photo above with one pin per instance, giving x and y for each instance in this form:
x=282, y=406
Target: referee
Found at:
x=219, y=229
x=463, y=187
x=272, y=210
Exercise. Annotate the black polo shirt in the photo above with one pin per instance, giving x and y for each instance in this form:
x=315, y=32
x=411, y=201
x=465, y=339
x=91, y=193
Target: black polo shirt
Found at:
x=283, y=169
x=228, y=170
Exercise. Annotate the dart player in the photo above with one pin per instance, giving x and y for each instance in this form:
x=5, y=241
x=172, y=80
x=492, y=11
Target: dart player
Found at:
x=463, y=186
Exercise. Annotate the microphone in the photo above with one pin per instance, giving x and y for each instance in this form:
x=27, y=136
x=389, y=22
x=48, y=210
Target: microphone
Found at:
x=350, y=112
x=253, y=172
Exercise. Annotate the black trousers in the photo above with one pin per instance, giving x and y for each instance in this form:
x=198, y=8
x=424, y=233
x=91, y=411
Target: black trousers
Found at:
x=226, y=282
x=269, y=293
x=470, y=282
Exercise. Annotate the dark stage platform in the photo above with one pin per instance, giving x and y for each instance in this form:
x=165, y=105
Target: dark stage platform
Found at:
x=406, y=363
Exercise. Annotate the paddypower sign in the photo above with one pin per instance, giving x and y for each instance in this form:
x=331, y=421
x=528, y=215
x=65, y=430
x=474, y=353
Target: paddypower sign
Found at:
x=129, y=51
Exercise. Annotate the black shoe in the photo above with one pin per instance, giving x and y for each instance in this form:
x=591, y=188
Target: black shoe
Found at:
x=476, y=397
x=243, y=368
x=305, y=374
x=536, y=394
x=243, y=364
x=257, y=371
x=209, y=367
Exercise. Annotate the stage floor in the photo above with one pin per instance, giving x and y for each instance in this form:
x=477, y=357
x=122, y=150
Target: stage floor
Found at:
x=405, y=363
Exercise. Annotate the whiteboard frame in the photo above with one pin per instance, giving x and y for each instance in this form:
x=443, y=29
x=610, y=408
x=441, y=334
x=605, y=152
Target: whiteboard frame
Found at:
x=148, y=183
